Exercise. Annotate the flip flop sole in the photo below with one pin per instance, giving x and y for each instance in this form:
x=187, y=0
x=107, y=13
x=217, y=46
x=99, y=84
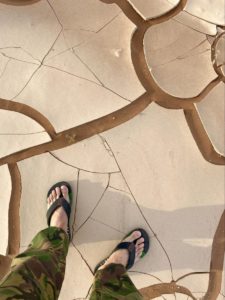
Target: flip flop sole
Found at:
x=144, y=234
x=59, y=184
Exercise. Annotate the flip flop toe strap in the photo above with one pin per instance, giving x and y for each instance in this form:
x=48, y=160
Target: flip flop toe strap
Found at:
x=61, y=202
x=130, y=247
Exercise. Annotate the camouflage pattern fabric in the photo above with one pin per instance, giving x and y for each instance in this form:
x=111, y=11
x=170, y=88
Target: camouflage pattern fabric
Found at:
x=113, y=283
x=38, y=273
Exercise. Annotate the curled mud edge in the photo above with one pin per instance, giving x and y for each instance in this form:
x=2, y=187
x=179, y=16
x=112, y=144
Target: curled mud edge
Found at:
x=161, y=289
x=29, y=112
x=160, y=96
x=14, y=211
x=13, y=227
x=114, y=119
x=217, y=69
x=84, y=131
x=19, y=2
x=201, y=137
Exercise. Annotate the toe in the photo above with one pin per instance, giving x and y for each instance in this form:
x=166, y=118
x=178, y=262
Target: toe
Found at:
x=139, y=253
x=135, y=235
x=58, y=192
x=53, y=194
x=140, y=241
x=49, y=200
x=138, y=256
x=64, y=190
x=139, y=247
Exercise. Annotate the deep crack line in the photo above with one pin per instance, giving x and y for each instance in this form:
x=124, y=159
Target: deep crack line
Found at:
x=81, y=169
x=81, y=60
x=20, y=60
x=184, y=55
x=71, y=74
x=144, y=273
x=41, y=64
x=107, y=225
x=89, y=80
x=189, y=274
x=204, y=20
x=60, y=24
x=109, y=22
x=96, y=205
x=17, y=134
x=5, y=68
x=26, y=84
x=58, y=54
x=89, y=290
x=81, y=255
x=128, y=10
x=76, y=204
x=25, y=51
x=189, y=26
x=54, y=12
x=140, y=210
x=181, y=57
x=119, y=190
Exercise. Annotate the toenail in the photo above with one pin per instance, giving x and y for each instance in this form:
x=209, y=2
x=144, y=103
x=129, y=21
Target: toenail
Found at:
x=64, y=188
x=57, y=191
x=137, y=234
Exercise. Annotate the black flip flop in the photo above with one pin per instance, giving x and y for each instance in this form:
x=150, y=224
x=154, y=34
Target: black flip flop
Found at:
x=130, y=246
x=60, y=202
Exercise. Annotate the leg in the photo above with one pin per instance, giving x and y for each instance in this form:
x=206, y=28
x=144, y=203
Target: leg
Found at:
x=111, y=279
x=38, y=272
x=112, y=283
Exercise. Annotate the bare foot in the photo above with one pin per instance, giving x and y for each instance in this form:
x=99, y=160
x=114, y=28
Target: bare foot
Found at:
x=59, y=217
x=121, y=256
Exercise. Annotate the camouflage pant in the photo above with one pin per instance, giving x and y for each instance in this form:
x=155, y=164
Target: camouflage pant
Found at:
x=38, y=273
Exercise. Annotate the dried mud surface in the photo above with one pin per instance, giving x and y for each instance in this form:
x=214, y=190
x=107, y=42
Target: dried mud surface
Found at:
x=61, y=140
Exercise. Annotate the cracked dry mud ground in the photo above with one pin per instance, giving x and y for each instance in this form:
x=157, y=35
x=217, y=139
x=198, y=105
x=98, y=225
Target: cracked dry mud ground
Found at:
x=125, y=100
